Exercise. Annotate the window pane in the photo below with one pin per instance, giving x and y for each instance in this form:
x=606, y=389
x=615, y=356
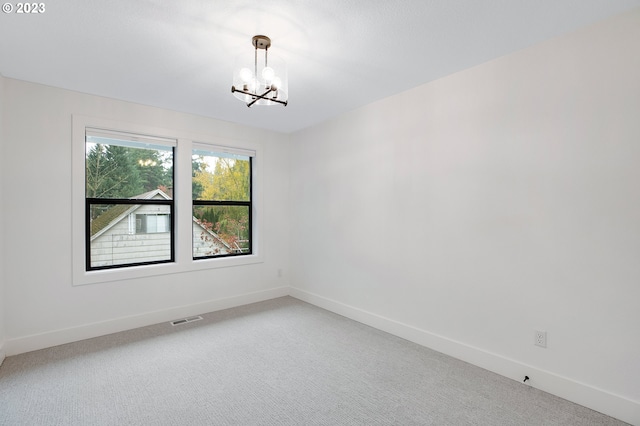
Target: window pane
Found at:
x=221, y=177
x=121, y=166
x=152, y=223
x=120, y=234
x=220, y=230
x=126, y=169
x=221, y=192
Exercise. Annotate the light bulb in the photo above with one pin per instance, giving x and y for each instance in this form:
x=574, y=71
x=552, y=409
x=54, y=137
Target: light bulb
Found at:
x=276, y=83
x=268, y=73
x=245, y=75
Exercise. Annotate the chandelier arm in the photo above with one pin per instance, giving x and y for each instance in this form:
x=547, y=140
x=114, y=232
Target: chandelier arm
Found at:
x=259, y=97
x=263, y=96
x=267, y=99
x=284, y=103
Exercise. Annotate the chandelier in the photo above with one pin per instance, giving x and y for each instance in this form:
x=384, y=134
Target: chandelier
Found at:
x=260, y=82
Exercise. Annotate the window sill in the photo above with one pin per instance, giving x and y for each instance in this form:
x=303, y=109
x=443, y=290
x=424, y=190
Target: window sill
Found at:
x=148, y=271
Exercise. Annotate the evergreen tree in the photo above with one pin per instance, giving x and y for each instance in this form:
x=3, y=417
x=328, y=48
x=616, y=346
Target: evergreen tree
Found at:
x=197, y=167
x=125, y=181
x=154, y=170
x=97, y=170
x=114, y=171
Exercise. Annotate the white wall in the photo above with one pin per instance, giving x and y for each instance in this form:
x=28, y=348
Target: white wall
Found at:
x=507, y=199
x=2, y=203
x=42, y=306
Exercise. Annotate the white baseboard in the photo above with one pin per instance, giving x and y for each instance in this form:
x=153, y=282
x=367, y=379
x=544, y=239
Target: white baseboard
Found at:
x=87, y=331
x=580, y=393
x=3, y=355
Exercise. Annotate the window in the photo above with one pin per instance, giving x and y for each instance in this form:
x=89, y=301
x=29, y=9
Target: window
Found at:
x=132, y=212
x=152, y=223
x=222, y=202
x=129, y=207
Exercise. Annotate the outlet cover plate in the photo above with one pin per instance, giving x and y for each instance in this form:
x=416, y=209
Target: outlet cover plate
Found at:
x=540, y=338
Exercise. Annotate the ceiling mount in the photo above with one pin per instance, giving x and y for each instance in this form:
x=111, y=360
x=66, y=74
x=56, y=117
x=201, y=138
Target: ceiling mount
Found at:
x=261, y=42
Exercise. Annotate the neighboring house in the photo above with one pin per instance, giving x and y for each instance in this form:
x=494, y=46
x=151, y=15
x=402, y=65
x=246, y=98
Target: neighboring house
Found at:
x=141, y=233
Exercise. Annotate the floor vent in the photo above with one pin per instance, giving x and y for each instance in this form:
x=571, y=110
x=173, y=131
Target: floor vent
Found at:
x=186, y=320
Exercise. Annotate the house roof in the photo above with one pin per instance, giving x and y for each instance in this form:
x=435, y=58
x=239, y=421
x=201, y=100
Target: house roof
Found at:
x=115, y=214
x=213, y=234
x=110, y=217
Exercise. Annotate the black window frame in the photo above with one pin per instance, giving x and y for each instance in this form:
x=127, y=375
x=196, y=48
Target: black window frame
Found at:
x=248, y=204
x=133, y=202
x=89, y=201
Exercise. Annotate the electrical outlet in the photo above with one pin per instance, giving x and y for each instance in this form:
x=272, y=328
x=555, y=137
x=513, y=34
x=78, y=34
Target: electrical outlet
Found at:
x=540, y=338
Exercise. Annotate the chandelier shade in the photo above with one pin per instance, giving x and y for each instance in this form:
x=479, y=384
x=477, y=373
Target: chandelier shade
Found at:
x=259, y=77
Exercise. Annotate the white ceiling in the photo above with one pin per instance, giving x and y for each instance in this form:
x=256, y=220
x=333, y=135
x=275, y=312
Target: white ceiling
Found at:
x=341, y=54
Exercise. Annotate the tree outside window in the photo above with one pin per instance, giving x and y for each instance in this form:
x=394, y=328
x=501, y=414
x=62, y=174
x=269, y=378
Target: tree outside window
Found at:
x=221, y=192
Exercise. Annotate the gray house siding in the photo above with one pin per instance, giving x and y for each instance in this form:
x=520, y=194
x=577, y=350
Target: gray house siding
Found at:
x=142, y=234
